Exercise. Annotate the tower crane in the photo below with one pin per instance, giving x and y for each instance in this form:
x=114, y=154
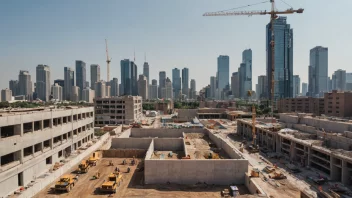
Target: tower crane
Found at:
x=273, y=15
x=108, y=60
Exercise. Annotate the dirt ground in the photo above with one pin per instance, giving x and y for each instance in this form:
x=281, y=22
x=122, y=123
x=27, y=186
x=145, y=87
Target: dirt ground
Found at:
x=132, y=185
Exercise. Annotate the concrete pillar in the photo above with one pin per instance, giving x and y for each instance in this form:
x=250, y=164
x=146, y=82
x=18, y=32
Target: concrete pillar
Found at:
x=293, y=151
x=278, y=141
x=42, y=146
x=309, y=156
x=21, y=155
x=32, y=127
x=345, y=173
x=51, y=143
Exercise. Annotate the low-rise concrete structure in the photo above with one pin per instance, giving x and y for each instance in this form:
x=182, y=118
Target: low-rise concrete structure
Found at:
x=182, y=156
x=313, y=142
x=302, y=105
x=338, y=104
x=33, y=141
x=117, y=110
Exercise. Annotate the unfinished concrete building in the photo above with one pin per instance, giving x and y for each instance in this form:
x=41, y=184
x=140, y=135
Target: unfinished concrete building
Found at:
x=117, y=110
x=182, y=156
x=33, y=140
x=316, y=142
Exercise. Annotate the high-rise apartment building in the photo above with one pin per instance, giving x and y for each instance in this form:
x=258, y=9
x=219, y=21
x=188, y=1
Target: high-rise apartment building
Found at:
x=166, y=92
x=153, y=90
x=318, y=71
x=212, y=87
x=339, y=80
x=100, y=89
x=25, y=84
x=162, y=82
x=146, y=71
x=88, y=95
x=241, y=80
x=43, y=82
x=57, y=92
x=349, y=81
x=223, y=72
x=283, y=59
x=143, y=87
x=304, y=88
x=247, y=60
x=13, y=85
x=296, y=86
x=94, y=75
x=262, y=87
x=193, y=90
x=76, y=94
x=6, y=95
x=69, y=78
x=80, y=74
x=114, y=85
x=176, y=82
x=185, y=82
x=235, y=88
x=134, y=78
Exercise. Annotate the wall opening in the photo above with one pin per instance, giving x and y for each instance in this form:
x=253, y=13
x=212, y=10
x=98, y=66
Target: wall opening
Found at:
x=59, y=154
x=69, y=119
x=37, y=125
x=7, y=131
x=46, y=123
x=47, y=144
x=38, y=147
x=64, y=120
x=49, y=160
x=74, y=117
x=7, y=159
x=20, y=179
x=27, y=127
x=28, y=151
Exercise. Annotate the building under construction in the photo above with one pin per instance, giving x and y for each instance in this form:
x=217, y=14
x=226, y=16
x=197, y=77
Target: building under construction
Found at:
x=317, y=142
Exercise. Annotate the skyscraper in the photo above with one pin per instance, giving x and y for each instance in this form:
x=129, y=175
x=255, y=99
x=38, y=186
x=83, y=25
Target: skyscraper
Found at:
x=100, y=89
x=80, y=75
x=6, y=95
x=57, y=92
x=75, y=95
x=153, y=90
x=304, y=88
x=25, y=84
x=212, y=86
x=176, y=82
x=43, y=83
x=339, y=80
x=88, y=95
x=193, y=90
x=241, y=80
x=247, y=60
x=296, y=86
x=235, y=89
x=162, y=82
x=223, y=72
x=185, y=82
x=114, y=84
x=283, y=59
x=13, y=85
x=134, y=79
x=143, y=87
x=146, y=71
x=60, y=82
x=349, y=81
x=94, y=75
x=318, y=71
x=262, y=83
x=167, y=89
x=69, y=78
x=126, y=74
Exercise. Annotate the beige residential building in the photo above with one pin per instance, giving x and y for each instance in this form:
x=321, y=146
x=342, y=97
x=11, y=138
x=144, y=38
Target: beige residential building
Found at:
x=302, y=105
x=338, y=104
x=117, y=110
x=6, y=95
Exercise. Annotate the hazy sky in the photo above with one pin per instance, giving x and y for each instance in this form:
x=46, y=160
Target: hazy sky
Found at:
x=172, y=33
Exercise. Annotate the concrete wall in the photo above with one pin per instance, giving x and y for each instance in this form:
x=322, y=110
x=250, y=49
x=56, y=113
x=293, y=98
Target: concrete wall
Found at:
x=41, y=183
x=126, y=134
x=225, y=145
x=168, y=144
x=187, y=114
x=130, y=143
x=125, y=153
x=150, y=151
x=253, y=187
x=163, y=133
x=219, y=172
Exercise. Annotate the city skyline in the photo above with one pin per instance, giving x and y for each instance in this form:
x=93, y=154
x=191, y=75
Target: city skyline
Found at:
x=64, y=54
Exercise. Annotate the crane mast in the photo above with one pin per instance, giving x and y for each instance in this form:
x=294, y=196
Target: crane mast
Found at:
x=108, y=60
x=273, y=15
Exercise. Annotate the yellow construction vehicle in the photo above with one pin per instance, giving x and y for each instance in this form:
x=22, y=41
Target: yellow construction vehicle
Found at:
x=269, y=169
x=113, y=181
x=277, y=175
x=94, y=159
x=83, y=167
x=66, y=183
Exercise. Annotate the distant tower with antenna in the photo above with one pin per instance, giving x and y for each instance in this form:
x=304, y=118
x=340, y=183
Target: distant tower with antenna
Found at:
x=108, y=60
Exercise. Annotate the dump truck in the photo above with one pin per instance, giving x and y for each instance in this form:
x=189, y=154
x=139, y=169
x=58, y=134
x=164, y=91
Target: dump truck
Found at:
x=94, y=159
x=269, y=169
x=113, y=181
x=66, y=183
x=84, y=166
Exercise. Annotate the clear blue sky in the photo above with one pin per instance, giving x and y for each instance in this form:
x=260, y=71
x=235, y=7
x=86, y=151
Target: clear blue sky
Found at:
x=172, y=33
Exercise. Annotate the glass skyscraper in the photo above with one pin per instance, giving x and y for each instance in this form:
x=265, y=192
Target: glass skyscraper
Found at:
x=185, y=81
x=176, y=82
x=318, y=71
x=283, y=59
x=223, y=72
x=80, y=75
